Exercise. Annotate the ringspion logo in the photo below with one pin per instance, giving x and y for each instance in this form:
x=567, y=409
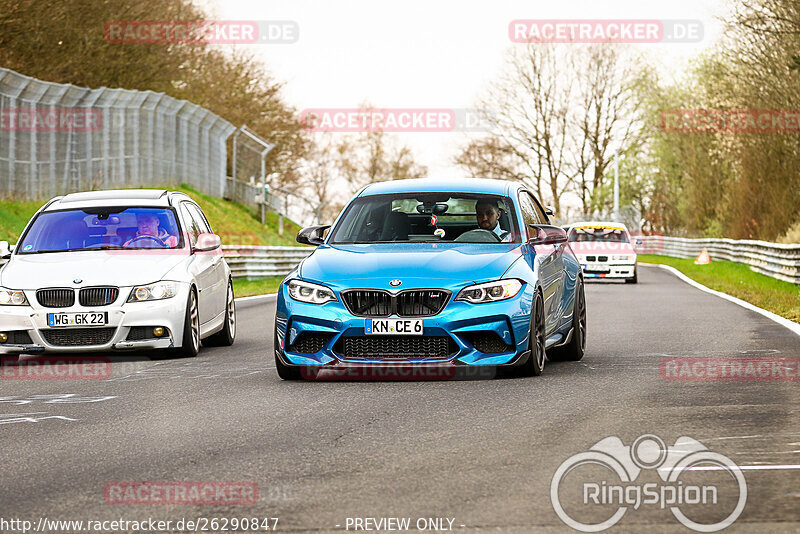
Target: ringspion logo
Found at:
x=51, y=120
x=201, y=32
x=730, y=121
x=610, y=479
x=57, y=368
x=605, y=31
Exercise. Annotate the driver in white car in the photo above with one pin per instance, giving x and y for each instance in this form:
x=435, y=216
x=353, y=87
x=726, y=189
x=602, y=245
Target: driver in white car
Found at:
x=488, y=214
x=149, y=225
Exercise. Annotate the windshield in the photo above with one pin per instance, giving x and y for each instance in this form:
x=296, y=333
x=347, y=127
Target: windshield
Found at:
x=427, y=217
x=598, y=234
x=102, y=228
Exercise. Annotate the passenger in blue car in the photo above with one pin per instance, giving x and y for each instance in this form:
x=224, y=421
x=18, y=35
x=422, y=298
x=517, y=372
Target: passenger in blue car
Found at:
x=488, y=213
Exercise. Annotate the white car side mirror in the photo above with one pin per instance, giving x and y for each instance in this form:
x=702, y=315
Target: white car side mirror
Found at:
x=207, y=242
x=5, y=249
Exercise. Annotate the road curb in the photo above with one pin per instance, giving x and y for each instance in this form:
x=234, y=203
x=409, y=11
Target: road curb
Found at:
x=791, y=325
x=266, y=296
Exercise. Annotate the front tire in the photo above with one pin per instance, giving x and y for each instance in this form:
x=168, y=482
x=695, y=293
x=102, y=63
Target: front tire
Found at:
x=286, y=372
x=535, y=364
x=635, y=279
x=226, y=336
x=190, y=346
x=574, y=350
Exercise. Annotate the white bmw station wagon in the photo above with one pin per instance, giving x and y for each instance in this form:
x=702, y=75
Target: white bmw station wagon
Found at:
x=116, y=270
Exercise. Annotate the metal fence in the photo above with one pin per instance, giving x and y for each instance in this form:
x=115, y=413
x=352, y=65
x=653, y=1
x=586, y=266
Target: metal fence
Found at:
x=247, y=261
x=58, y=138
x=772, y=259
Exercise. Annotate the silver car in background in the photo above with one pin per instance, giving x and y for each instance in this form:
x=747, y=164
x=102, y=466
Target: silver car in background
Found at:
x=116, y=270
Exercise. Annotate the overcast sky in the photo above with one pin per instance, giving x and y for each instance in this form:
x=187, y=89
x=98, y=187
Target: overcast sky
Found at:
x=429, y=53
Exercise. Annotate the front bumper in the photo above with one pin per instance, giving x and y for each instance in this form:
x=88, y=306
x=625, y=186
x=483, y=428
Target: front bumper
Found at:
x=610, y=270
x=506, y=323
x=122, y=317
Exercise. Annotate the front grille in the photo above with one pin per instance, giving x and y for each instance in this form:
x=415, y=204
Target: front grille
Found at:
x=368, y=303
x=396, y=347
x=420, y=303
x=18, y=337
x=56, y=298
x=488, y=342
x=78, y=337
x=310, y=342
x=407, y=303
x=98, y=296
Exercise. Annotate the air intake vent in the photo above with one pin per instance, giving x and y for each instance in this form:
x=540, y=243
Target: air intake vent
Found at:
x=396, y=347
x=78, y=337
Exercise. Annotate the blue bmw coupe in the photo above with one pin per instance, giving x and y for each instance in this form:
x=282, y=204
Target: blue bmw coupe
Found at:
x=433, y=273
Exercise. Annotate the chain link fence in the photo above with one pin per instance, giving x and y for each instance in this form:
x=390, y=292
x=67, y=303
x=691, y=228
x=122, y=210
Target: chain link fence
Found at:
x=59, y=138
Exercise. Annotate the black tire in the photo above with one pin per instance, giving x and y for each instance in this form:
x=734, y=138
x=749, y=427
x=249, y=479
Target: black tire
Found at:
x=535, y=364
x=286, y=372
x=574, y=350
x=190, y=346
x=226, y=336
x=635, y=279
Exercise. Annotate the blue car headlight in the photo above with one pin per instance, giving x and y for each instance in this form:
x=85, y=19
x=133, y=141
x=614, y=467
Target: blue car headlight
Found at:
x=490, y=291
x=310, y=293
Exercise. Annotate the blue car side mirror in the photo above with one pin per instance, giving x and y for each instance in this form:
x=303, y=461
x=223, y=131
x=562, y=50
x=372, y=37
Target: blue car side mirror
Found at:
x=312, y=235
x=547, y=235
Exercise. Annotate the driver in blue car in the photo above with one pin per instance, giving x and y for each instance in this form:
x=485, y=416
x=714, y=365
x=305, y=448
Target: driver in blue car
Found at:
x=488, y=212
x=149, y=225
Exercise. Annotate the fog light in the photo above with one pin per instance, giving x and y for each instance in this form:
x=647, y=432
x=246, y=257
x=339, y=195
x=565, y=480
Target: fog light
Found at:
x=158, y=331
x=3, y=337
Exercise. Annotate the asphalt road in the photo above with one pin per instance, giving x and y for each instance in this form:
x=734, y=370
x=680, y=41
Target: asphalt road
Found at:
x=480, y=453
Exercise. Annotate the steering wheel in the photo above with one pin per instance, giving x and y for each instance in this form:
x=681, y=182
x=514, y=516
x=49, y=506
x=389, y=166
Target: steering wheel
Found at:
x=160, y=242
x=479, y=235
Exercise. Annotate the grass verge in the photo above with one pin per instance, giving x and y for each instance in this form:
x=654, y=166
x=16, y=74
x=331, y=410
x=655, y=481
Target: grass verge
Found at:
x=736, y=279
x=260, y=286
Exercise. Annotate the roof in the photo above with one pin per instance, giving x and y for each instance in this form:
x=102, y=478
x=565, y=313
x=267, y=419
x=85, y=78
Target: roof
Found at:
x=591, y=224
x=424, y=185
x=111, y=197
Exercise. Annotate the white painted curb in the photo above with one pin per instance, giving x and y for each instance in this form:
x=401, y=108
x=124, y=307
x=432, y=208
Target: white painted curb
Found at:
x=791, y=325
x=268, y=296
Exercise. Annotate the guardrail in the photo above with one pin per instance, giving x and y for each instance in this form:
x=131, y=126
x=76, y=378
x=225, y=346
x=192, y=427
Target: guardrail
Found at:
x=253, y=261
x=772, y=259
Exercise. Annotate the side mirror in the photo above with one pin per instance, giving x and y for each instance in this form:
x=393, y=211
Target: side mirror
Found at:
x=207, y=242
x=548, y=210
x=639, y=242
x=5, y=250
x=312, y=235
x=547, y=235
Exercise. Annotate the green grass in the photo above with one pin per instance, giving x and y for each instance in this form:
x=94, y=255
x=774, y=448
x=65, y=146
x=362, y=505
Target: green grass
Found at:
x=236, y=224
x=736, y=279
x=246, y=288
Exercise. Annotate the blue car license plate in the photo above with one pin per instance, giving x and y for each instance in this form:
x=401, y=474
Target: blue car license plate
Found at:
x=397, y=327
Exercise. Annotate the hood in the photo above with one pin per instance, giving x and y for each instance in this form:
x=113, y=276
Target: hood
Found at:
x=448, y=261
x=602, y=247
x=94, y=268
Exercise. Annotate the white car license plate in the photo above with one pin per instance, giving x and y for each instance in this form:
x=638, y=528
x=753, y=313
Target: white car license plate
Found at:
x=77, y=319
x=397, y=327
x=602, y=267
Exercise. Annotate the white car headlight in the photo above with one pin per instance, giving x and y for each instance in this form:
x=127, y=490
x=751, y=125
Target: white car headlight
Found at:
x=9, y=297
x=310, y=293
x=157, y=291
x=490, y=291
